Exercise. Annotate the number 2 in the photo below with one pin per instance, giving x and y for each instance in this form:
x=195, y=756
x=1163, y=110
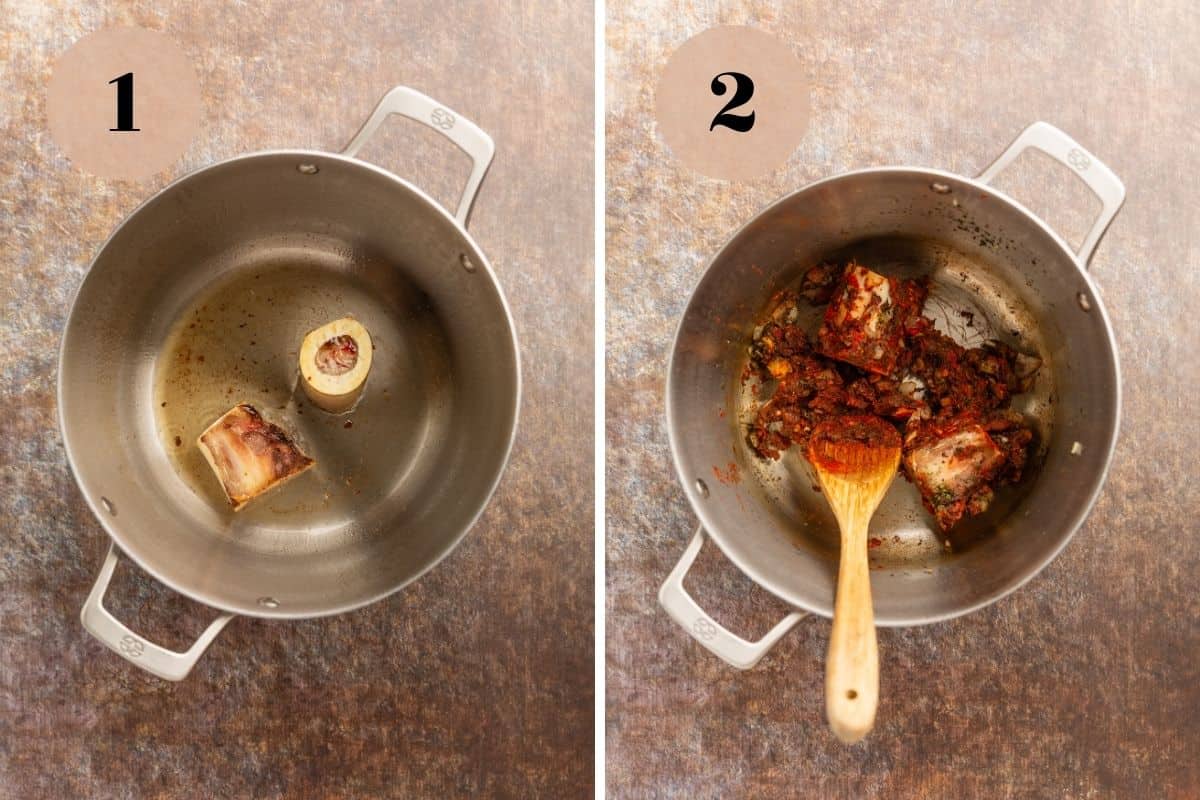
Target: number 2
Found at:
x=124, y=103
x=744, y=91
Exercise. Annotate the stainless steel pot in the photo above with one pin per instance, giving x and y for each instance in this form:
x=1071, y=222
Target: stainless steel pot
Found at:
x=292, y=239
x=989, y=258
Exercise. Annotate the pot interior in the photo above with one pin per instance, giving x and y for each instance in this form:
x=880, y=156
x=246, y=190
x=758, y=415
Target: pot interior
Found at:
x=996, y=273
x=200, y=301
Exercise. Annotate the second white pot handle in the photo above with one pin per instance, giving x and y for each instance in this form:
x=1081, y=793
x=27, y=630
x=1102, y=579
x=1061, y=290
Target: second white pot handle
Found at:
x=469, y=137
x=1062, y=148
x=135, y=649
x=732, y=648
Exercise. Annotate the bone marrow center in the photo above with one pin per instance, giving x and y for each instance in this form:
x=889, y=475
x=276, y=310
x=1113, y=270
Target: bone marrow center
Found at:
x=337, y=356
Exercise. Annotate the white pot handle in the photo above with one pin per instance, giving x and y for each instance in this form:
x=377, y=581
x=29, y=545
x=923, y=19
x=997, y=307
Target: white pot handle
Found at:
x=704, y=629
x=1062, y=148
x=133, y=648
x=469, y=137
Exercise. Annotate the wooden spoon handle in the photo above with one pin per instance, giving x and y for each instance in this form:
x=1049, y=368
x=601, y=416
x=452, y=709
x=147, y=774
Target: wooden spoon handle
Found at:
x=852, y=665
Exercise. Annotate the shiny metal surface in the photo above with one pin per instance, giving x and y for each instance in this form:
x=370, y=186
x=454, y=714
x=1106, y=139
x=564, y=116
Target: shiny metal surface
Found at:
x=466, y=135
x=167, y=664
x=431, y=434
x=987, y=255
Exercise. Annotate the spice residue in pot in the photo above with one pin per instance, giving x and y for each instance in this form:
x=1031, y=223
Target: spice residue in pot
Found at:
x=730, y=475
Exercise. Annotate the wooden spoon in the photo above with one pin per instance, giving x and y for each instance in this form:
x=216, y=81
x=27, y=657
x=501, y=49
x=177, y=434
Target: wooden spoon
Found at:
x=855, y=458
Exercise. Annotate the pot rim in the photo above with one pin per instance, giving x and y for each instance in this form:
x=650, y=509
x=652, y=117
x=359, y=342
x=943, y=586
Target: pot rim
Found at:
x=110, y=525
x=783, y=593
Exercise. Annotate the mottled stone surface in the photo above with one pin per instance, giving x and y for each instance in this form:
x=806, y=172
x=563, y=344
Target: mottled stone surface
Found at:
x=475, y=681
x=1084, y=684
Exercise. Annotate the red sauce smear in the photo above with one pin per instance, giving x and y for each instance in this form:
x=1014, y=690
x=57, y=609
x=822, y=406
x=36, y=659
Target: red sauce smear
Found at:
x=841, y=444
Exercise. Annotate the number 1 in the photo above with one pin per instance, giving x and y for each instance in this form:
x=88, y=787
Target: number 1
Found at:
x=124, y=103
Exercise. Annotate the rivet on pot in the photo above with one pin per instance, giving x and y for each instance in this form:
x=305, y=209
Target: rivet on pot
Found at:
x=466, y=262
x=308, y=169
x=268, y=602
x=1084, y=301
x=702, y=487
x=108, y=506
x=940, y=188
x=1076, y=449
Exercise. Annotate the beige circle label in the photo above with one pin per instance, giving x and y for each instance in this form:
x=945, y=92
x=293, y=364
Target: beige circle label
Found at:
x=123, y=103
x=732, y=102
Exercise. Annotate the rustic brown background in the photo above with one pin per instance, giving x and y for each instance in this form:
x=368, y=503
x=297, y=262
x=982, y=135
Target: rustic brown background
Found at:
x=1087, y=682
x=477, y=680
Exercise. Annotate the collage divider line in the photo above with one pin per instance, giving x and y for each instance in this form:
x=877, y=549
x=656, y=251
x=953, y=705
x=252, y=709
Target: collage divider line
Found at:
x=598, y=347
